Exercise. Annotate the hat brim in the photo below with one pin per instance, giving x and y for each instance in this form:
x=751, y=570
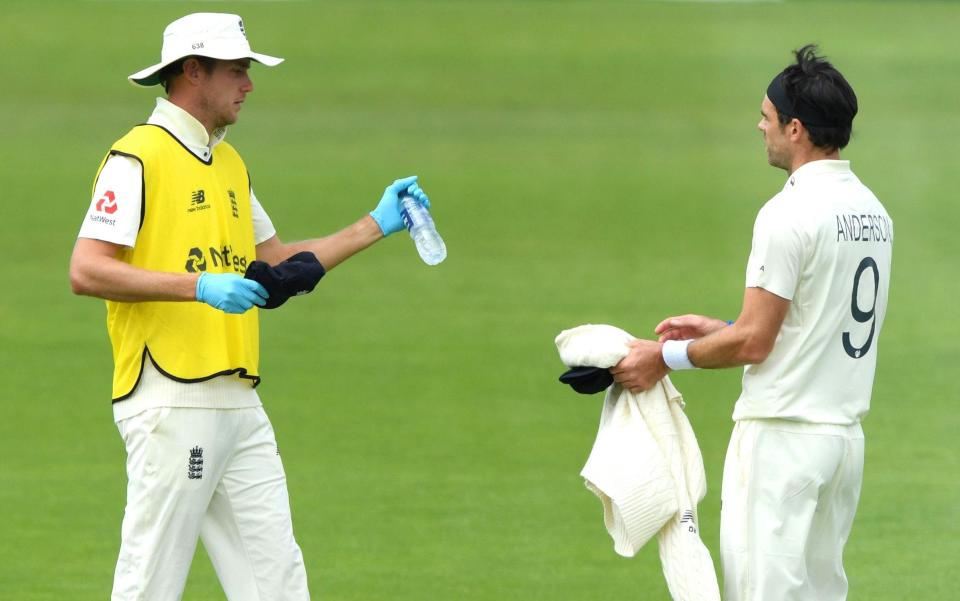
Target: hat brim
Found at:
x=151, y=75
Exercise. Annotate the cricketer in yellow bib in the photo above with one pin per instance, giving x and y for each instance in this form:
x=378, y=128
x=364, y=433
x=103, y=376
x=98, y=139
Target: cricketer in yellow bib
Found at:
x=209, y=229
x=170, y=230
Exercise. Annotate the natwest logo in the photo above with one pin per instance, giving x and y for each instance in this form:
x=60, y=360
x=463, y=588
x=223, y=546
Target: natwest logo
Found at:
x=219, y=257
x=196, y=261
x=107, y=203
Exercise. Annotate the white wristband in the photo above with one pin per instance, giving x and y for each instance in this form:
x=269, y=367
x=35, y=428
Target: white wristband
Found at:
x=675, y=354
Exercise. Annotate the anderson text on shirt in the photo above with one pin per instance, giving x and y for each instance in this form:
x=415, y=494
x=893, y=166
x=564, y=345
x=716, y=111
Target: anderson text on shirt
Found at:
x=864, y=228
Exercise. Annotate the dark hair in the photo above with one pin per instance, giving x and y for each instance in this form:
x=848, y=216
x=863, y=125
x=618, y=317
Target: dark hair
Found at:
x=175, y=68
x=815, y=82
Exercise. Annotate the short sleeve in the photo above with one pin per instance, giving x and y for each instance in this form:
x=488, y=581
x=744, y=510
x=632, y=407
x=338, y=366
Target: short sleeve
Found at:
x=263, y=228
x=117, y=204
x=776, y=255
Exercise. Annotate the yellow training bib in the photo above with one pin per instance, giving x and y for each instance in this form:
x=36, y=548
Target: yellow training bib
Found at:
x=195, y=217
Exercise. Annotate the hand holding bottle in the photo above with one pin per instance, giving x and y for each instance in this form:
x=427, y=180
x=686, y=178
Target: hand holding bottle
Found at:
x=387, y=213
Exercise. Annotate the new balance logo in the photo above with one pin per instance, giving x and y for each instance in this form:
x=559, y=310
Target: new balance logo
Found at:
x=195, y=465
x=687, y=518
x=198, y=201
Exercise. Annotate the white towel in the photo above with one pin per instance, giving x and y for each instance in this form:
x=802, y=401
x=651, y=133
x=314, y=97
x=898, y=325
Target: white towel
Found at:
x=646, y=467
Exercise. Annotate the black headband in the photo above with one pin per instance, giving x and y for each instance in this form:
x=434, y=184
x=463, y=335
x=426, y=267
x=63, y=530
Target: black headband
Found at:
x=807, y=113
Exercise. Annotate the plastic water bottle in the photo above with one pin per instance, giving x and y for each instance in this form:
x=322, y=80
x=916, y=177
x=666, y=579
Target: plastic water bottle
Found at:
x=423, y=231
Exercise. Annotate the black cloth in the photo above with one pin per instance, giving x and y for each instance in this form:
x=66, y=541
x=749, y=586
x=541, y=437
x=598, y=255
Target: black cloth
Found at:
x=587, y=380
x=297, y=275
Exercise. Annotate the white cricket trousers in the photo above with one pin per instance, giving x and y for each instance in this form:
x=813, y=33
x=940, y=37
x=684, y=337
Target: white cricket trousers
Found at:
x=790, y=492
x=214, y=474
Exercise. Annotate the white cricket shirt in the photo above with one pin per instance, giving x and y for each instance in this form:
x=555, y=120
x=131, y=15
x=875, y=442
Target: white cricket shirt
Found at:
x=114, y=213
x=824, y=243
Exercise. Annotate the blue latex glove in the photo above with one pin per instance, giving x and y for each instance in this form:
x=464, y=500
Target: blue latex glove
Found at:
x=230, y=292
x=387, y=213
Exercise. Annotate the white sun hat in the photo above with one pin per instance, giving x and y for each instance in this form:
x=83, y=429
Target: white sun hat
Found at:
x=215, y=35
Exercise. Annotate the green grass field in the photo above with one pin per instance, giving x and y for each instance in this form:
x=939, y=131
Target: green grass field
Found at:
x=589, y=162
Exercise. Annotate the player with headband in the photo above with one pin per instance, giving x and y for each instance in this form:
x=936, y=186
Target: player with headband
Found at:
x=808, y=337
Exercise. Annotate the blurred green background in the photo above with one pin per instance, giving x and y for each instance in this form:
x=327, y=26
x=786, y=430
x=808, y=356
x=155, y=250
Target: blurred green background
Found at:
x=588, y=162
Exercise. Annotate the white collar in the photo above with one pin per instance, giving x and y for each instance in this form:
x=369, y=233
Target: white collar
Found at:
x=815, y=168
x=185, y=128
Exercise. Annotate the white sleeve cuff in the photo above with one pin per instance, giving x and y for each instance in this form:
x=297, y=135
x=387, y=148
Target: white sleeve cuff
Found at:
x=675, y=354
x=263, y=228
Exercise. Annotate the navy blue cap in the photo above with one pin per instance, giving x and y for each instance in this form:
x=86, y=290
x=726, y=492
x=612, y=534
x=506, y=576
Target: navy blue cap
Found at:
x=587, y=380
x=295, y=276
